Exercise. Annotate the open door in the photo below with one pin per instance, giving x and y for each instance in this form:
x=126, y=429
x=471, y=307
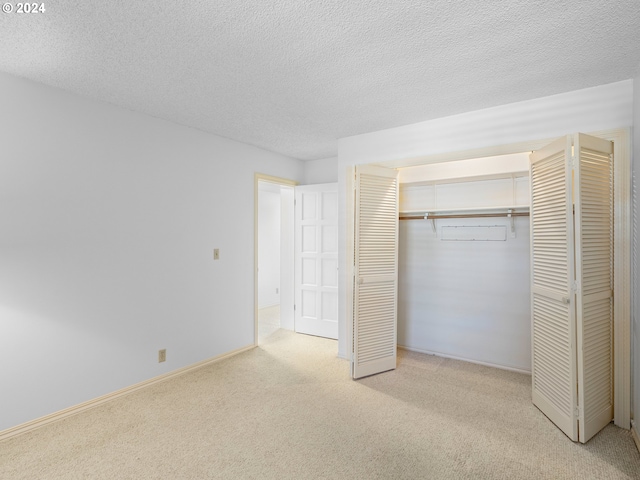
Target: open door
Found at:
x=593, y=186
x=571, y=283
x=553, y=366
x=375, y=271
x=316, y=260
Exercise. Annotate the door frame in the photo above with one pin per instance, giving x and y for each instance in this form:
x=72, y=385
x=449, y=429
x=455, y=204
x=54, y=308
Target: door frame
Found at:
x=621, y=138
x=261, y=177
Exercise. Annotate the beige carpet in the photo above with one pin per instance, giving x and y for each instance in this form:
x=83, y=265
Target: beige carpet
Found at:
x=288, y=410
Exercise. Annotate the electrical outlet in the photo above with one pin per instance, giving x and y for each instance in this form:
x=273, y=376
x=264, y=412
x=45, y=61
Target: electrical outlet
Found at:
x=277, y=290
x=216, y=254
x=162, y=355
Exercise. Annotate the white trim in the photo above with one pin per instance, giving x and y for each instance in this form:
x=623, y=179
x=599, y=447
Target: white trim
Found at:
x=623, y=227
x=463, y=359
x=67, y=412
x=349, y=270
x=635, y=435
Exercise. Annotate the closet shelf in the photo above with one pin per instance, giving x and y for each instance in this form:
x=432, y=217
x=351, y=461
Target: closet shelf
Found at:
x=490, y=211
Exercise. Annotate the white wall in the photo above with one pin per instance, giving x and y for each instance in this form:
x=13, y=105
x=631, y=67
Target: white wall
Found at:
x=324, y=170
x=269, y=234
x=465, y=299
x=108, y=220
x=592, y=109
x=635, y=328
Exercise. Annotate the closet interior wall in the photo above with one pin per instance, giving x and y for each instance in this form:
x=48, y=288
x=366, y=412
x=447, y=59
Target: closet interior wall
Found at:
x=463, y=283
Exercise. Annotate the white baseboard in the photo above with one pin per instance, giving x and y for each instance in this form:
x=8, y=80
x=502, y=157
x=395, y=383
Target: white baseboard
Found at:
x=635, y=434
x=469, y=360
x=67, y=412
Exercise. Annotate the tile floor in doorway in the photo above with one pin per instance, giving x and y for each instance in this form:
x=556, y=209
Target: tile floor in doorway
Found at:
x=268, y=321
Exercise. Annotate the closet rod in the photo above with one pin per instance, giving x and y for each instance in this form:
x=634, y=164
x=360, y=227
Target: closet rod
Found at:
x=465, y=215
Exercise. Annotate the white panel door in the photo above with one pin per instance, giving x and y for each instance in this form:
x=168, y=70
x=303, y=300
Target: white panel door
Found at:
x=572, y=283
x=316, y=260
x=553, y=365
x=593, y=196
x=375, y=271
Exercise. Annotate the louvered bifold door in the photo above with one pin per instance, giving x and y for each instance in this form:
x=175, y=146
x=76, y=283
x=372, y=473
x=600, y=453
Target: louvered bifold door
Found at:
x=554, y=374
x=375, y=271
x=593, y=197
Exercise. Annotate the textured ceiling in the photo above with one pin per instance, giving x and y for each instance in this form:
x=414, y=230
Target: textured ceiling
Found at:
x=293, y=76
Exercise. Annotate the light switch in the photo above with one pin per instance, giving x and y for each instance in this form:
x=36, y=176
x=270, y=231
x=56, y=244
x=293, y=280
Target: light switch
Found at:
x=216, y=254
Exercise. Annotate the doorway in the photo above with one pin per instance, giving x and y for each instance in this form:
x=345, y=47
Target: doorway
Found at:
x=274, y=274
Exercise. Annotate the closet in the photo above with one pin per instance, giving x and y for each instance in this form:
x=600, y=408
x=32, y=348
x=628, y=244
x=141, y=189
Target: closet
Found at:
x=464, y=270
x=569, y=284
